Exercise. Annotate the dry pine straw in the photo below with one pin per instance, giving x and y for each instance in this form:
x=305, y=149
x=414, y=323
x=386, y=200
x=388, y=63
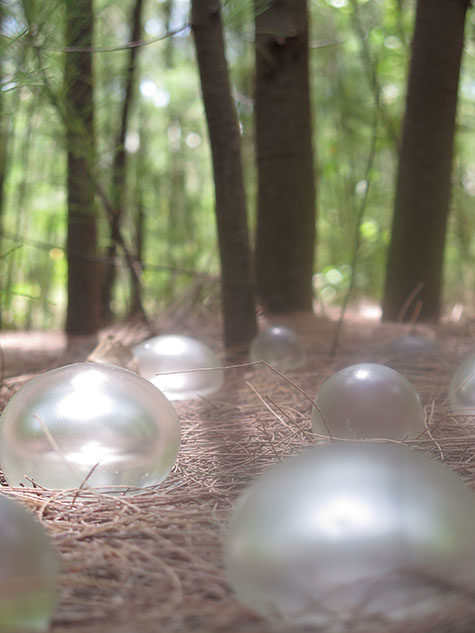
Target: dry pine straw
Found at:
x=153, y=561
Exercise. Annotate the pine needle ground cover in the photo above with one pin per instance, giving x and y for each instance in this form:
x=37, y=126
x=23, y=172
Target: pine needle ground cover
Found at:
x=153, y=561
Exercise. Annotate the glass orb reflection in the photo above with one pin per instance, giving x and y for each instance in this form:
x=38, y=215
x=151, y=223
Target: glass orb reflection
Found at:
x=462, y=387
x=279, y=346
x=368, y=401
x=174, y=354
x=68, y=421
x=28, y=570
x=352, y=529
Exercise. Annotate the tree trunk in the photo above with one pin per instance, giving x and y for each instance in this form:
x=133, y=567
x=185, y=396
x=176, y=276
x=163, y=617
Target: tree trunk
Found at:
x=285, y=239
x=135, y=307
x=236, y=272
x=119, y=171
x=83, y=313
x=4, y=125
x=421, y=208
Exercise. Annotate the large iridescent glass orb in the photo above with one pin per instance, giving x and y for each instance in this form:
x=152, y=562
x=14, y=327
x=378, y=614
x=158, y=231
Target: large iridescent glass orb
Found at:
x=462, y=387
x=368, y=401
x=279, y=346
x=175, y=353
x=88, y=419
x=369, y=531
x=29, y=568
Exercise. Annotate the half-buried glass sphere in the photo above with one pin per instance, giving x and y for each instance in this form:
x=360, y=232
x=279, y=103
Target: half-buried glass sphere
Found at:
x=175, y=353
x=411, y=347
x=88, y=419
x=29, y=569
x=353, y=531
x=368, y=401
x=462, y=388
x=279, y=346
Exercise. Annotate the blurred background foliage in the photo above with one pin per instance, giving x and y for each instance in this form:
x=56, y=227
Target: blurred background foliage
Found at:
x=359, y=59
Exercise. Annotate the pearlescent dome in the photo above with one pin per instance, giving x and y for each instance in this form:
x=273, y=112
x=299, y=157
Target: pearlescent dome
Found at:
x=279, y=346
x=411, y=347
x=462, y=388
x=368, y=401
x=29, y=568
x=352, y=530
x=88, y=419
x=173, y=353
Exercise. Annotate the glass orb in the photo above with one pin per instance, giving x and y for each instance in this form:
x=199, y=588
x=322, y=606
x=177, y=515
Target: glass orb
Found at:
x=367, y=401
x=29, y=569
x=352, y=530
x=279, y=346
x=462, y=387
x=60, y=425
x=412, y=346
x=175, y=353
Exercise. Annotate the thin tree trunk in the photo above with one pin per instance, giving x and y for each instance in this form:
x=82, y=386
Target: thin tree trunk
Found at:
x=139, y=218
x=119, y=166
x=421, y=207
x=285, y=239
x=236, y=273
x=83, y=312
x=4, y=124
x=168, y=7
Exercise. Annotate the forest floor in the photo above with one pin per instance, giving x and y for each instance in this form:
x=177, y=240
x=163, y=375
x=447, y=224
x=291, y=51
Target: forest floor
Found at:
x=154, y=561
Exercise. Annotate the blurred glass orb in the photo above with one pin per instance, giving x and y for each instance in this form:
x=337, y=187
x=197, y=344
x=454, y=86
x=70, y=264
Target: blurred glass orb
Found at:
x=462, y=387
x=59, y=425
x=411, y=346
x=175, y=353
x=367, y=401
x=279, y=346
x=29, y=568
x=352, y=530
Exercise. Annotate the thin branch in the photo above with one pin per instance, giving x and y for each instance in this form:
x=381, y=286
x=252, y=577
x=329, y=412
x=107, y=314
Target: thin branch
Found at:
x=47, y=246
x=412, y=295
x=357, y=239
x=92, y=49
x=364, y=199
x=370, y=65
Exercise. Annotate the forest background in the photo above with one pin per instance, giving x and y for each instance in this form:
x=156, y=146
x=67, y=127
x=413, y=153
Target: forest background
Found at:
x=359, y=54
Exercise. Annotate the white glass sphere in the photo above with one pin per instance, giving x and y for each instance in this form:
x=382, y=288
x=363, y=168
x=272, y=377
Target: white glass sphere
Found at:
x=462, y=387
x=352, y=530
x=29, y=569
x=176, y=353
x=412, y=346
x=59, y=425
x=279, y=346
x=368, y=401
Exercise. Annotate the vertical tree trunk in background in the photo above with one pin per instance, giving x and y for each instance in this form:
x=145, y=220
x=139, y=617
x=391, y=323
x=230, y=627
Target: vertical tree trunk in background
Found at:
x=236, y=272
x=119, y=167
x=421, y=207
x=3, y=126
x=168, y=7
x=135, y=309
x=285, y=239
x=84, y=279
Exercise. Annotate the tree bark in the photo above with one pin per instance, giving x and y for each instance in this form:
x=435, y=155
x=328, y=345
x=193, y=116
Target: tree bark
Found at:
x=135, y=307
x=286, y=216
x=422, y=200
x=4, y=121
x=119, y=167
x=84, y=288
x=238, y=305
